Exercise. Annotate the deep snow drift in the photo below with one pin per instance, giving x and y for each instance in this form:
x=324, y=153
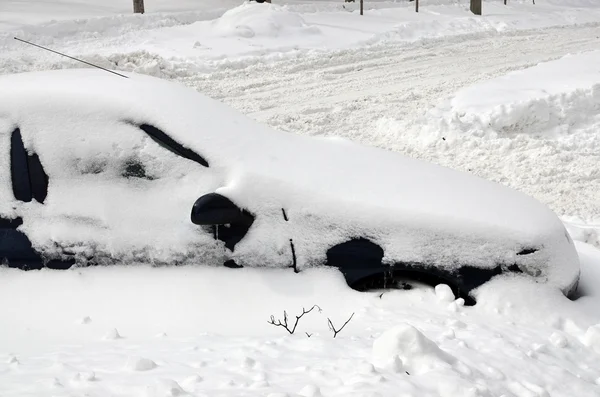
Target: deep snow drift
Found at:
x=124, y=331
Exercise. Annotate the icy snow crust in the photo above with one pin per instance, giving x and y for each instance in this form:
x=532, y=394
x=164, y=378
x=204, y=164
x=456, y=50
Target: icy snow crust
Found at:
x=332, y=189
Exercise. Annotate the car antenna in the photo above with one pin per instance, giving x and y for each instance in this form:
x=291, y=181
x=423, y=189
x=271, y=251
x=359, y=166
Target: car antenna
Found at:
x=70, y=57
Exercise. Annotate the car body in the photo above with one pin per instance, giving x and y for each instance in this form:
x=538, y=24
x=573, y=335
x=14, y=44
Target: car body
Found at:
x=101, y=169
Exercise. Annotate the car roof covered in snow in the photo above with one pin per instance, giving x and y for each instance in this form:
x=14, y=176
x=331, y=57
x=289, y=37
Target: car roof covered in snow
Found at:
x=278, y=168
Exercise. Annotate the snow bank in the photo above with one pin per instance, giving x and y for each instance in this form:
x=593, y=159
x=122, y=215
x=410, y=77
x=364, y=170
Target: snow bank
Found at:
x=253, y=33
x=202, y=331
x=261, y=20
x=404, y=344
x=546, y=116
x=552, y=98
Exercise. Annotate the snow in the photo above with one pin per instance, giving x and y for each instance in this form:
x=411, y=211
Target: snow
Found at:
x=254, y=33
x=140, y=364
x=549, y=99
x=554, y=102
x=404, y=344
x=444, y=293
x=372, y=80
x=206, y=331
x=255, y=20
x=592, y=338
x=19, y=13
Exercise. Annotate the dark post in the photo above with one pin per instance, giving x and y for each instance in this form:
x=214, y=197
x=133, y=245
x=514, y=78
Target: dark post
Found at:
x=361, y=7
x=417, y=5
x=138, y=6
x=476, y=7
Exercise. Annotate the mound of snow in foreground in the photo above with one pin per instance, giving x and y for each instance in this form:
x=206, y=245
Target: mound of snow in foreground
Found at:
x=136, y=330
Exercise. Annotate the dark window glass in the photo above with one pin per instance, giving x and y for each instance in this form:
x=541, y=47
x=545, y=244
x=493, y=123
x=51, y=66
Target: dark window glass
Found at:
x=38, y=178
x=19, y=168
x=29, y=180
x=168, y=143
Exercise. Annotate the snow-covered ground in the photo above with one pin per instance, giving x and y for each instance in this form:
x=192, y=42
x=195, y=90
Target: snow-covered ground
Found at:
x=136, y=331
x=442, y=85
x=256, y=33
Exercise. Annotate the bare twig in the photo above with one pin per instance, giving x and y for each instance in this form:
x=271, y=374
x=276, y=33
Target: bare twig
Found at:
x=309, y=335
x=332, y=327
x=285, y=325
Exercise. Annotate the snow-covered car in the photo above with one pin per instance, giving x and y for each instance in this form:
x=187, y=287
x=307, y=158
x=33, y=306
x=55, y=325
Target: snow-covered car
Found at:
x=100, y=169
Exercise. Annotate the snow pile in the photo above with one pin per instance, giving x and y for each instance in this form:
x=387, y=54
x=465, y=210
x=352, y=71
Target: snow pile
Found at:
x=550, y=99
x=404, y=344
x=444, y=293
x=140, y=364
x=206, y=328
x=592, y=338
x=587, y=231
x=204, y=331
x=261, y=20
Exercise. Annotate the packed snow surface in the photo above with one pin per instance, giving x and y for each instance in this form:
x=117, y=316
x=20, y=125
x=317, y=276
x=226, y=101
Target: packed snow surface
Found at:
x=376, y=80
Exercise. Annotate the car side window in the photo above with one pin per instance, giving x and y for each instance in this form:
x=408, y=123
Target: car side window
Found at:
x=171, y=145
x=29, y=180
x=38, y=178
x=19, y=168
